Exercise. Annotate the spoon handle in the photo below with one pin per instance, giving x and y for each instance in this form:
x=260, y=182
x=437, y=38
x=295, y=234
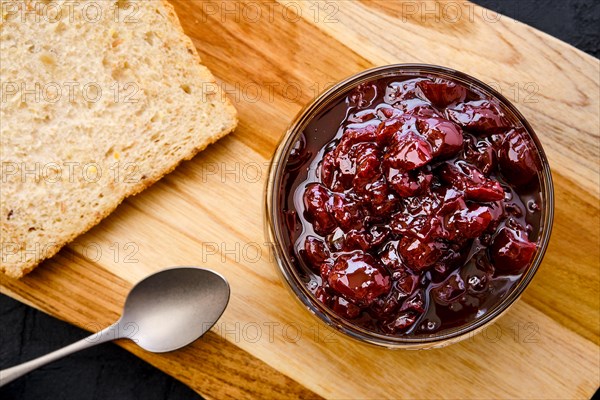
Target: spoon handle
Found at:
x=106, y=335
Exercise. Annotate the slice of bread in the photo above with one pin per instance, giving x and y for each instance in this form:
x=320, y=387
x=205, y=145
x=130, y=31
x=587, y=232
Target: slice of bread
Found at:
x=99, y=99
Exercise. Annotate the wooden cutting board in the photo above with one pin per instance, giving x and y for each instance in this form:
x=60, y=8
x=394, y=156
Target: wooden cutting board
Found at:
x=273, y=59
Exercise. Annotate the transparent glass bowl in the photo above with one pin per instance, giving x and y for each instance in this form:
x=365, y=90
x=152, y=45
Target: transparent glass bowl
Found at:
x=289, y=271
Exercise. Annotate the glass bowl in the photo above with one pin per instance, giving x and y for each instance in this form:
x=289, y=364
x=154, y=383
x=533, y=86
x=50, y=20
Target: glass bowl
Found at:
x=275, y=234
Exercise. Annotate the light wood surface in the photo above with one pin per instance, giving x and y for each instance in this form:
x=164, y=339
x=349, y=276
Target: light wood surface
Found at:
x=209, y=211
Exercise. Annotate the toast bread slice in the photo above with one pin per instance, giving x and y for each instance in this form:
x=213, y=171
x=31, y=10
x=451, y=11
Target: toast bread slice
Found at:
x=98, y=100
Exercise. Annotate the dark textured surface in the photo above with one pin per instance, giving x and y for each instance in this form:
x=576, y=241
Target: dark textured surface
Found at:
x=576, y=22
x=109, y=372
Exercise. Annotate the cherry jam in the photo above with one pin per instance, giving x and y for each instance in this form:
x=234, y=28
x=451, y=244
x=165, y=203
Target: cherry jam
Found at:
x=411, y=205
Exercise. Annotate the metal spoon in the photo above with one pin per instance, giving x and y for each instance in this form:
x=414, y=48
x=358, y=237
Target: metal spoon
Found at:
x=164, y=312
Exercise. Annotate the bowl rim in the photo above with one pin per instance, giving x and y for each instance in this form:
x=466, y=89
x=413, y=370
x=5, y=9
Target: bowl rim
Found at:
x=289, y=273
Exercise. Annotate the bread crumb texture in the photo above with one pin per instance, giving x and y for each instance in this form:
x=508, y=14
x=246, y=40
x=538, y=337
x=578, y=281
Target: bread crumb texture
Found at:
x=99, y=99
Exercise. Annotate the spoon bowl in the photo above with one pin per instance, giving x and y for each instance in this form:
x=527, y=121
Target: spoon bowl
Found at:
x=174, y=307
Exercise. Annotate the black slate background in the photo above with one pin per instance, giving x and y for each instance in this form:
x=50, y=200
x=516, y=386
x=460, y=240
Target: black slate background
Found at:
x=109, y=372
x=576, y=22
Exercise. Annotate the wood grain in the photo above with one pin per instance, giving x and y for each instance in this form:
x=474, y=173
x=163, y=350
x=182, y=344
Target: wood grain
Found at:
x=209, y=212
